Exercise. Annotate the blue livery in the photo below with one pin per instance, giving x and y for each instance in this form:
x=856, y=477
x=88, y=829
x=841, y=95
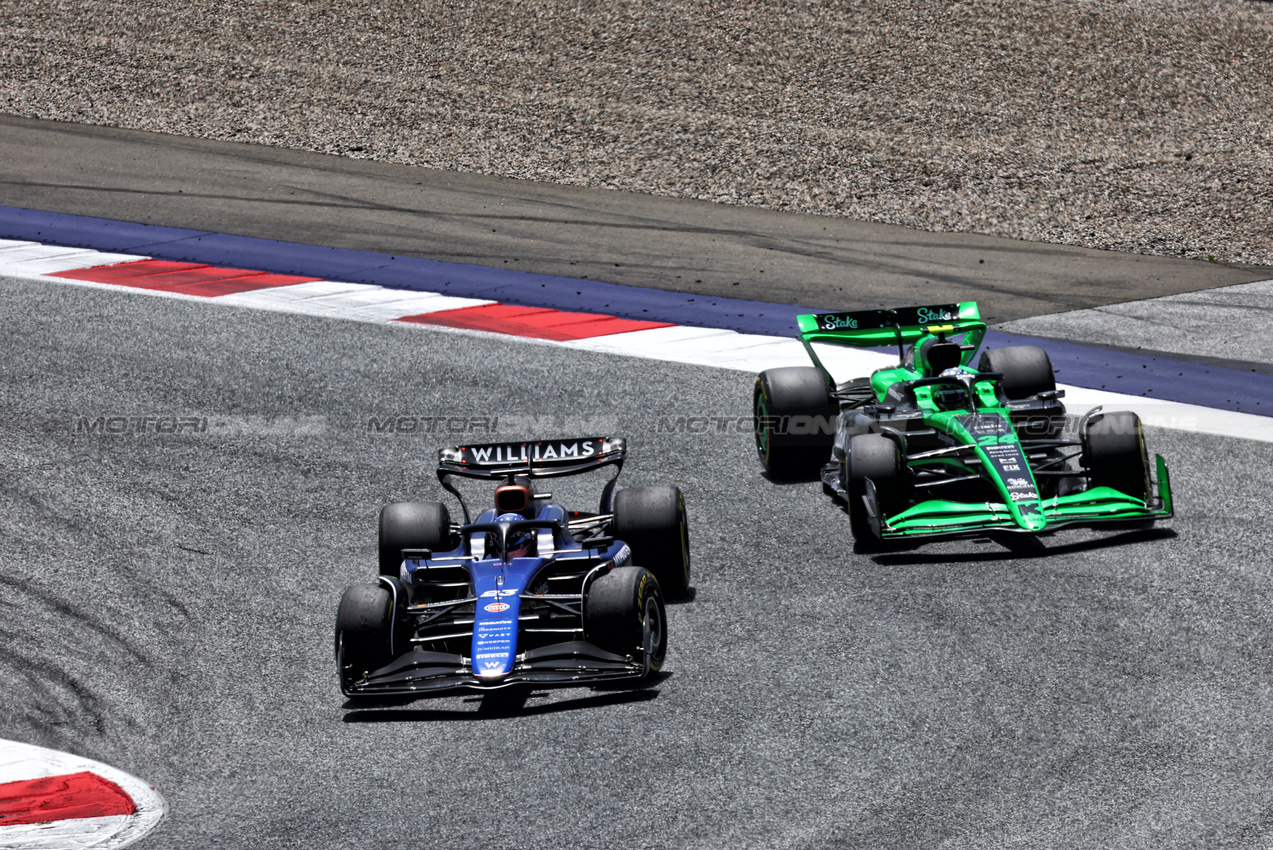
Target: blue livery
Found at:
x=526, y=593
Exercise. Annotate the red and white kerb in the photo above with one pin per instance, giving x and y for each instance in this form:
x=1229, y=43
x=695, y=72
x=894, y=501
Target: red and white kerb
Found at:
x=50, y=799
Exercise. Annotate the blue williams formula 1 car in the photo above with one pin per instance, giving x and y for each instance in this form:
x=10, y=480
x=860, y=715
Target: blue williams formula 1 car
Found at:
x=526, y=593
x=934, y=446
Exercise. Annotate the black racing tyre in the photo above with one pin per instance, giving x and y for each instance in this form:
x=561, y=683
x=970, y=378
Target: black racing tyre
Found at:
x=412, y=525
x=623, y=613
x=652, y=521
x=794, y=421
x=878, y=458
x=364, y=624
x=1026, y=369
x=1114, y=453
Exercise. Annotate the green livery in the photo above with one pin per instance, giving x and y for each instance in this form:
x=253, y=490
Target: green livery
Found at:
x=935, y=446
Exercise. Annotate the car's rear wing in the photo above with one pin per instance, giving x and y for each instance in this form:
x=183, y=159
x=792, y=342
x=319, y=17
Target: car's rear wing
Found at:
x=899, y=326
x=538, y=459
x=886, y=328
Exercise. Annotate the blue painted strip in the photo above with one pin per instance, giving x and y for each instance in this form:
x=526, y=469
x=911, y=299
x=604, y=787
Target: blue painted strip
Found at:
x=1151, y=377
x=509, y=287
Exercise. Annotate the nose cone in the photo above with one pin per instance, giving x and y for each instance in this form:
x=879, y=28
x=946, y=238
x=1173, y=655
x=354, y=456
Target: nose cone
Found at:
x=1031, y=518
x=493, y=669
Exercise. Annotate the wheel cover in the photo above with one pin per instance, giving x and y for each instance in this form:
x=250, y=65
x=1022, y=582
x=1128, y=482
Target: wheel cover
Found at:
x=685, y=544
x=343, y=670
x=762, y=430
x=651, y=631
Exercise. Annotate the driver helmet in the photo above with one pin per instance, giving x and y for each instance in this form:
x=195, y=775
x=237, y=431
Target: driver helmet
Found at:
x=519, y=544
x=950, y=397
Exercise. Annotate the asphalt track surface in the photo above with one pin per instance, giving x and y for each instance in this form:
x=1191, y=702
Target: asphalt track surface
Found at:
x=170, y=599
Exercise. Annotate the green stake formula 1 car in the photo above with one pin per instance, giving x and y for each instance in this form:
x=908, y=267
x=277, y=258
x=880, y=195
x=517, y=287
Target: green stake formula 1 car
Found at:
x=935, y=447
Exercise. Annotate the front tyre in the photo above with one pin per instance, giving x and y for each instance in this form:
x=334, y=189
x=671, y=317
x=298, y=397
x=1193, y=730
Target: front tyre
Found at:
x=879, y=459
x=794, y=421
x=624, y=613
x=364, y=625
x=1114, y=454
x=652, y=521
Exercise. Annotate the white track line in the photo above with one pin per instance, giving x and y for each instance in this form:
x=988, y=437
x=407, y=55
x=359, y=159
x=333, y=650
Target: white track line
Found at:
x=358, y=301
x=22, y=259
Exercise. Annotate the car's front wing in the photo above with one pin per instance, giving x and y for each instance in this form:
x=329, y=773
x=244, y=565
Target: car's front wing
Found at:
x=423, y=673
x=940, y=518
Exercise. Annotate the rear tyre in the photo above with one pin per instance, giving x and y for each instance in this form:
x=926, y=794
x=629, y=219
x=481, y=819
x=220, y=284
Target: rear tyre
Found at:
x=652, y=521
x=624, y=613
x=795, y=420
x=1114, y=454
x=364, y=624
x=412, y=525
x=1026, y=369
x=879, y=459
